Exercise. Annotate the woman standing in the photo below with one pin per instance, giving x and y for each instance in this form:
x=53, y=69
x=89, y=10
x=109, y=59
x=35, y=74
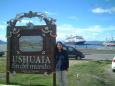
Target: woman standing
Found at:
x=62, y=64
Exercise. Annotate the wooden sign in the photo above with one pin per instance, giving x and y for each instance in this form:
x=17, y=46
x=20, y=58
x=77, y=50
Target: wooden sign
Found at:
x=31, y=48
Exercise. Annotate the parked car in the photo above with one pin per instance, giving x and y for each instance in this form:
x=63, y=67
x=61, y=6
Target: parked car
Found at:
x=113, y=64
x=1, y=53
x=74, y=53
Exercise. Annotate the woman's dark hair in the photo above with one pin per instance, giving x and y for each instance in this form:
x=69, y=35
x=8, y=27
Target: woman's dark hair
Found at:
x=56, y=49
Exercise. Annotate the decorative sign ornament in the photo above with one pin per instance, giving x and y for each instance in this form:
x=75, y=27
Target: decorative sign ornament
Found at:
x=45, y=30
x=26, y=40
x=52, y=34
x=48, y=20
x=31, y=47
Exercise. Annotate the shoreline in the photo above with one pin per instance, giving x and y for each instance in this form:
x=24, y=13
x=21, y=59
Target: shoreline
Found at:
x=97, y=51
x=104, y=50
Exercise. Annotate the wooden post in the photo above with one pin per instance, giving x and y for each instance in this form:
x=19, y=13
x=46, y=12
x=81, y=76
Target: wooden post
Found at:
x=8, y=56
x=54, y=79
x=7, y=78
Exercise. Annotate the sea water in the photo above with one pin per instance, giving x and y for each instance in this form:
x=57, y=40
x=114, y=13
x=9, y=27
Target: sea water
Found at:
x=86, y=45
x=91, y=45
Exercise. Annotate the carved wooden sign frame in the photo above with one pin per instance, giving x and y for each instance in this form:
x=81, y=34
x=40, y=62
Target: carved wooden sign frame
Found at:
x=31, y=48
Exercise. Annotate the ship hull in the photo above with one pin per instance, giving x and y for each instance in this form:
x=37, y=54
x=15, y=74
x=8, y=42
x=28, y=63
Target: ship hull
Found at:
x=76, y=43
x=80, y=43
x=109, y=43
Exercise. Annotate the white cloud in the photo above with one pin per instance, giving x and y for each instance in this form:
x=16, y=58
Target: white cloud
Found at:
x=95, y=32
x=104, y=10
x=2, y=32
x=65, y=27
x=3, y=37
x=24, y=21
x=94, y=29
x=35, y=21
x=3, y=22
x=99, y=10
x=61, y=36
x=2, y=27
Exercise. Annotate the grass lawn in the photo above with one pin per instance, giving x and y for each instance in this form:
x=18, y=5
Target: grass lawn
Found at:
x=85, y=73
x=92, y=73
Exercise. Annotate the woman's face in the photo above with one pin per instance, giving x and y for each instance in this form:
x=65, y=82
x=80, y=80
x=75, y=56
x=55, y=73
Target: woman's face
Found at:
x=59, y=46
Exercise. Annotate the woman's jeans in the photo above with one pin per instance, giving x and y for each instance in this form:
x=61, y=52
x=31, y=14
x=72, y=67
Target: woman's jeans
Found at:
x=62, y=78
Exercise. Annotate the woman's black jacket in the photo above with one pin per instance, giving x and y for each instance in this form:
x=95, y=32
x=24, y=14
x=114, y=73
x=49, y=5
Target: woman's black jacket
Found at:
x=65, y=62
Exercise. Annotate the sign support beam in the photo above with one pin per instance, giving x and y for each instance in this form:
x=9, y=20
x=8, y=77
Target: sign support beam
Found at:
x=54, y=79
x=7, y=78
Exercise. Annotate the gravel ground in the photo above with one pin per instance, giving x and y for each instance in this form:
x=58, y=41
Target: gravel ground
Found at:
x=99, y=56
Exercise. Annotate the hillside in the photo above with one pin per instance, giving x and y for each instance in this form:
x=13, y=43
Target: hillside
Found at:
x=2, y=42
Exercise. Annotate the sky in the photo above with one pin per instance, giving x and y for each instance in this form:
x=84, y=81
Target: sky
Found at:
x=92, y=19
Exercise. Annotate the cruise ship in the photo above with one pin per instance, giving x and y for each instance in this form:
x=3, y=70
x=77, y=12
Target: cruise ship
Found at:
x=75, y=40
